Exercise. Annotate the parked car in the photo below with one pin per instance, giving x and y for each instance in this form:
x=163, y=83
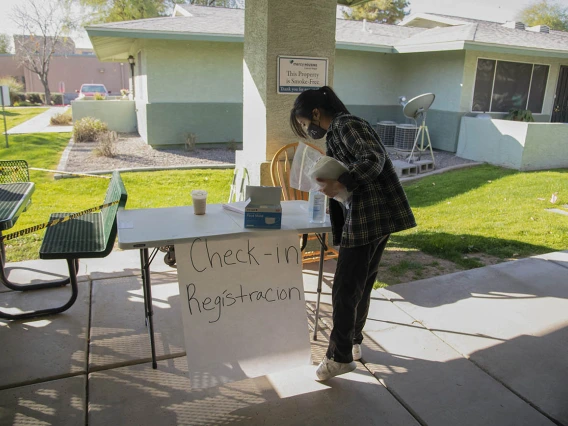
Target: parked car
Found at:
x=92, y=89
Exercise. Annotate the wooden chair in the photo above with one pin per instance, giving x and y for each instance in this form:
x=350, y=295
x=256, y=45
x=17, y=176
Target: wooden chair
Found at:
x=280, y=175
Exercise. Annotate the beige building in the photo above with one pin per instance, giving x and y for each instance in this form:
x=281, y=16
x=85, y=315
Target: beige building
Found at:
x=70, y=67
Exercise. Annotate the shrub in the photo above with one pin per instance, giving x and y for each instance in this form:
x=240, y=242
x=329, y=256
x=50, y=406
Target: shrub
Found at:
x=520, y=115
x=12, y=83
x=61, y=119
x=14, y=87
x=17, y=97
x=99, y=97
x=87, y=129
x=232, y=145
x=106, y=142
x=56, y=98
x=34, y=97
x=190, y=141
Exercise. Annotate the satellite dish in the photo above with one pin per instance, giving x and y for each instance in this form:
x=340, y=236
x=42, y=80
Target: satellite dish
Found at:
x=418, y=105
x=416, y=108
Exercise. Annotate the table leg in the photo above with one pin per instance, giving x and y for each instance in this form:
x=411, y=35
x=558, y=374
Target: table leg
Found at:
x=320, y=280
x=143, y=274
x=149, y=312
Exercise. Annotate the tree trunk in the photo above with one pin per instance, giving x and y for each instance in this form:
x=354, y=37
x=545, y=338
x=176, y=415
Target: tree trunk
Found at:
x=47, y=92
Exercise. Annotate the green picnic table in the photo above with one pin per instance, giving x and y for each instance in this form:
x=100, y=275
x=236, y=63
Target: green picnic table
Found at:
x=14, y=198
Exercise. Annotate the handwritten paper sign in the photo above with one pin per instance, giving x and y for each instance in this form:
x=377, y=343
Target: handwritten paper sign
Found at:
x=243, y=306
x=299, y=73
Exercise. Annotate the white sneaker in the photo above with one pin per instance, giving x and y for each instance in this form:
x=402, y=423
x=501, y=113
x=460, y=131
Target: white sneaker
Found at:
x=357, y=352
x=329, y=368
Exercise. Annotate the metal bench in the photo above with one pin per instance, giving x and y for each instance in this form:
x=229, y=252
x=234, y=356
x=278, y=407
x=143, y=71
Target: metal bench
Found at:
x=91, y=235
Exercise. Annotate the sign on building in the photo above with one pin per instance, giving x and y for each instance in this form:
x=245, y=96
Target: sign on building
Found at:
x=299, y=73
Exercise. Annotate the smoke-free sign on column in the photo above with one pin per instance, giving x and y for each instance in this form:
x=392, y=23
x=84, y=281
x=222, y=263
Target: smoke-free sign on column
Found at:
x=299, y=73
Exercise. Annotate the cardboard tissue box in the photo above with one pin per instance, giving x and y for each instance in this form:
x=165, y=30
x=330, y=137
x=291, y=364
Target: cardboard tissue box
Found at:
x=264, y=209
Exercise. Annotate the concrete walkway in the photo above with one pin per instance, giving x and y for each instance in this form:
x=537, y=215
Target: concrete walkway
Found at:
x=40, y=123
x=481, y=347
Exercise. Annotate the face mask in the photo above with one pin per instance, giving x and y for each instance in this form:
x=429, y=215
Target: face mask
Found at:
x=316, y=132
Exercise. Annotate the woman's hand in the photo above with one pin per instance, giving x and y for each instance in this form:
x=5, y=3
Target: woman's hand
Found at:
x=330, y=187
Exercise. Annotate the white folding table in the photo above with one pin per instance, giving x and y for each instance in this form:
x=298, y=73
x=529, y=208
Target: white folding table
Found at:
x=143, y=229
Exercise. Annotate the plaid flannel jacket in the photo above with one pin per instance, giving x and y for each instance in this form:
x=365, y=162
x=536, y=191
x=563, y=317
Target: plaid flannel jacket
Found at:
x=379, y=205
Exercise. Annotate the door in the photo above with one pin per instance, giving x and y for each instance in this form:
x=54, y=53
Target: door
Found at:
x=560, y=108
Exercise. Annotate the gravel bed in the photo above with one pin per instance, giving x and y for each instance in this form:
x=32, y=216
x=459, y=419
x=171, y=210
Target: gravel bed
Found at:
x=133, y=152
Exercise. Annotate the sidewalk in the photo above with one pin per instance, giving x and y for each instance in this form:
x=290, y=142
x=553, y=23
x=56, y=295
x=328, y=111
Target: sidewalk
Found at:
x=40, y=123
x=481, y=347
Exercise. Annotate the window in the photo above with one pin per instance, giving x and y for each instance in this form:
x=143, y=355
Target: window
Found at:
x=501, y=86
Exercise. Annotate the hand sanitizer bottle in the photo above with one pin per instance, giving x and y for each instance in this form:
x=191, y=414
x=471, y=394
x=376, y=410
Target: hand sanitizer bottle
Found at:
x=316, y=207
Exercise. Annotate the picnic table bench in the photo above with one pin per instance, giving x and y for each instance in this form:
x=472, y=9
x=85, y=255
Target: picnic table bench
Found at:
x=90, y=235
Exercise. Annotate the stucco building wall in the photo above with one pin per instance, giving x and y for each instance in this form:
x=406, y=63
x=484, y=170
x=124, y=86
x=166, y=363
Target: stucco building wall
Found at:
x=117, y=114
x=513, y=144
x=189, y=87
x=369, y=84
x=197, y=87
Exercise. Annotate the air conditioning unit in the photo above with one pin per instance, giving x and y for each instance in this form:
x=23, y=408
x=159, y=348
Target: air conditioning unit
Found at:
x=386, y=131
x=404, y=136
x=540, y=29
x=515, y=25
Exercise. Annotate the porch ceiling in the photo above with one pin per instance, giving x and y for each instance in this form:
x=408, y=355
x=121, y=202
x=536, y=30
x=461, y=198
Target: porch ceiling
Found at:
x=112, y=49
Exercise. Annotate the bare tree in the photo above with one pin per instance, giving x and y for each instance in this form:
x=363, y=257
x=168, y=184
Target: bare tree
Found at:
x=44, y=25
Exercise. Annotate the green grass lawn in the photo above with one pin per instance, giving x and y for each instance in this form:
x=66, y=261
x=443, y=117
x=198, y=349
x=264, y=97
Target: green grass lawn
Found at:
x=15, y=116
x=461, y=214
x=486, y=210
x=145, y=189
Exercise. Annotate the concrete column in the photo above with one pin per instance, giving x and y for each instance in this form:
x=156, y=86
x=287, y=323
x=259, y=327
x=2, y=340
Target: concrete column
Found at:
x=273, y=28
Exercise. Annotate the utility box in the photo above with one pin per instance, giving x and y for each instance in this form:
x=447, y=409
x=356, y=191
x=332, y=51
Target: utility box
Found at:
x=5, y=96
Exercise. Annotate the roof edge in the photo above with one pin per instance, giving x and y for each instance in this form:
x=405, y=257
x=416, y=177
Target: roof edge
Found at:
x=162, y=35
x=430, y=17
x=430, y=47
x=515, y=50
x=363, y=47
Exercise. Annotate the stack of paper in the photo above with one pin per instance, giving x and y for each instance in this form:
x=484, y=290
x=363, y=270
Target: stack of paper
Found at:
x=238, y=206
x=327, y=168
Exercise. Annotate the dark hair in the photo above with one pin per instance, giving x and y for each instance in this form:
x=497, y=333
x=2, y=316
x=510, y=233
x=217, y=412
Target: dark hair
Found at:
x=323, y=98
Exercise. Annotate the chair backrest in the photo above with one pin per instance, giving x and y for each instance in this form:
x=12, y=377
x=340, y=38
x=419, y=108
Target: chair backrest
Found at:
x=115, y=192
x=12, y=171
x=240, y=180
x=280, y=171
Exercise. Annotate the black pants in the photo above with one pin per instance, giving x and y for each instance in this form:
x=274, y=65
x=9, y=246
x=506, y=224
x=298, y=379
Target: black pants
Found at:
x=355, y=275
